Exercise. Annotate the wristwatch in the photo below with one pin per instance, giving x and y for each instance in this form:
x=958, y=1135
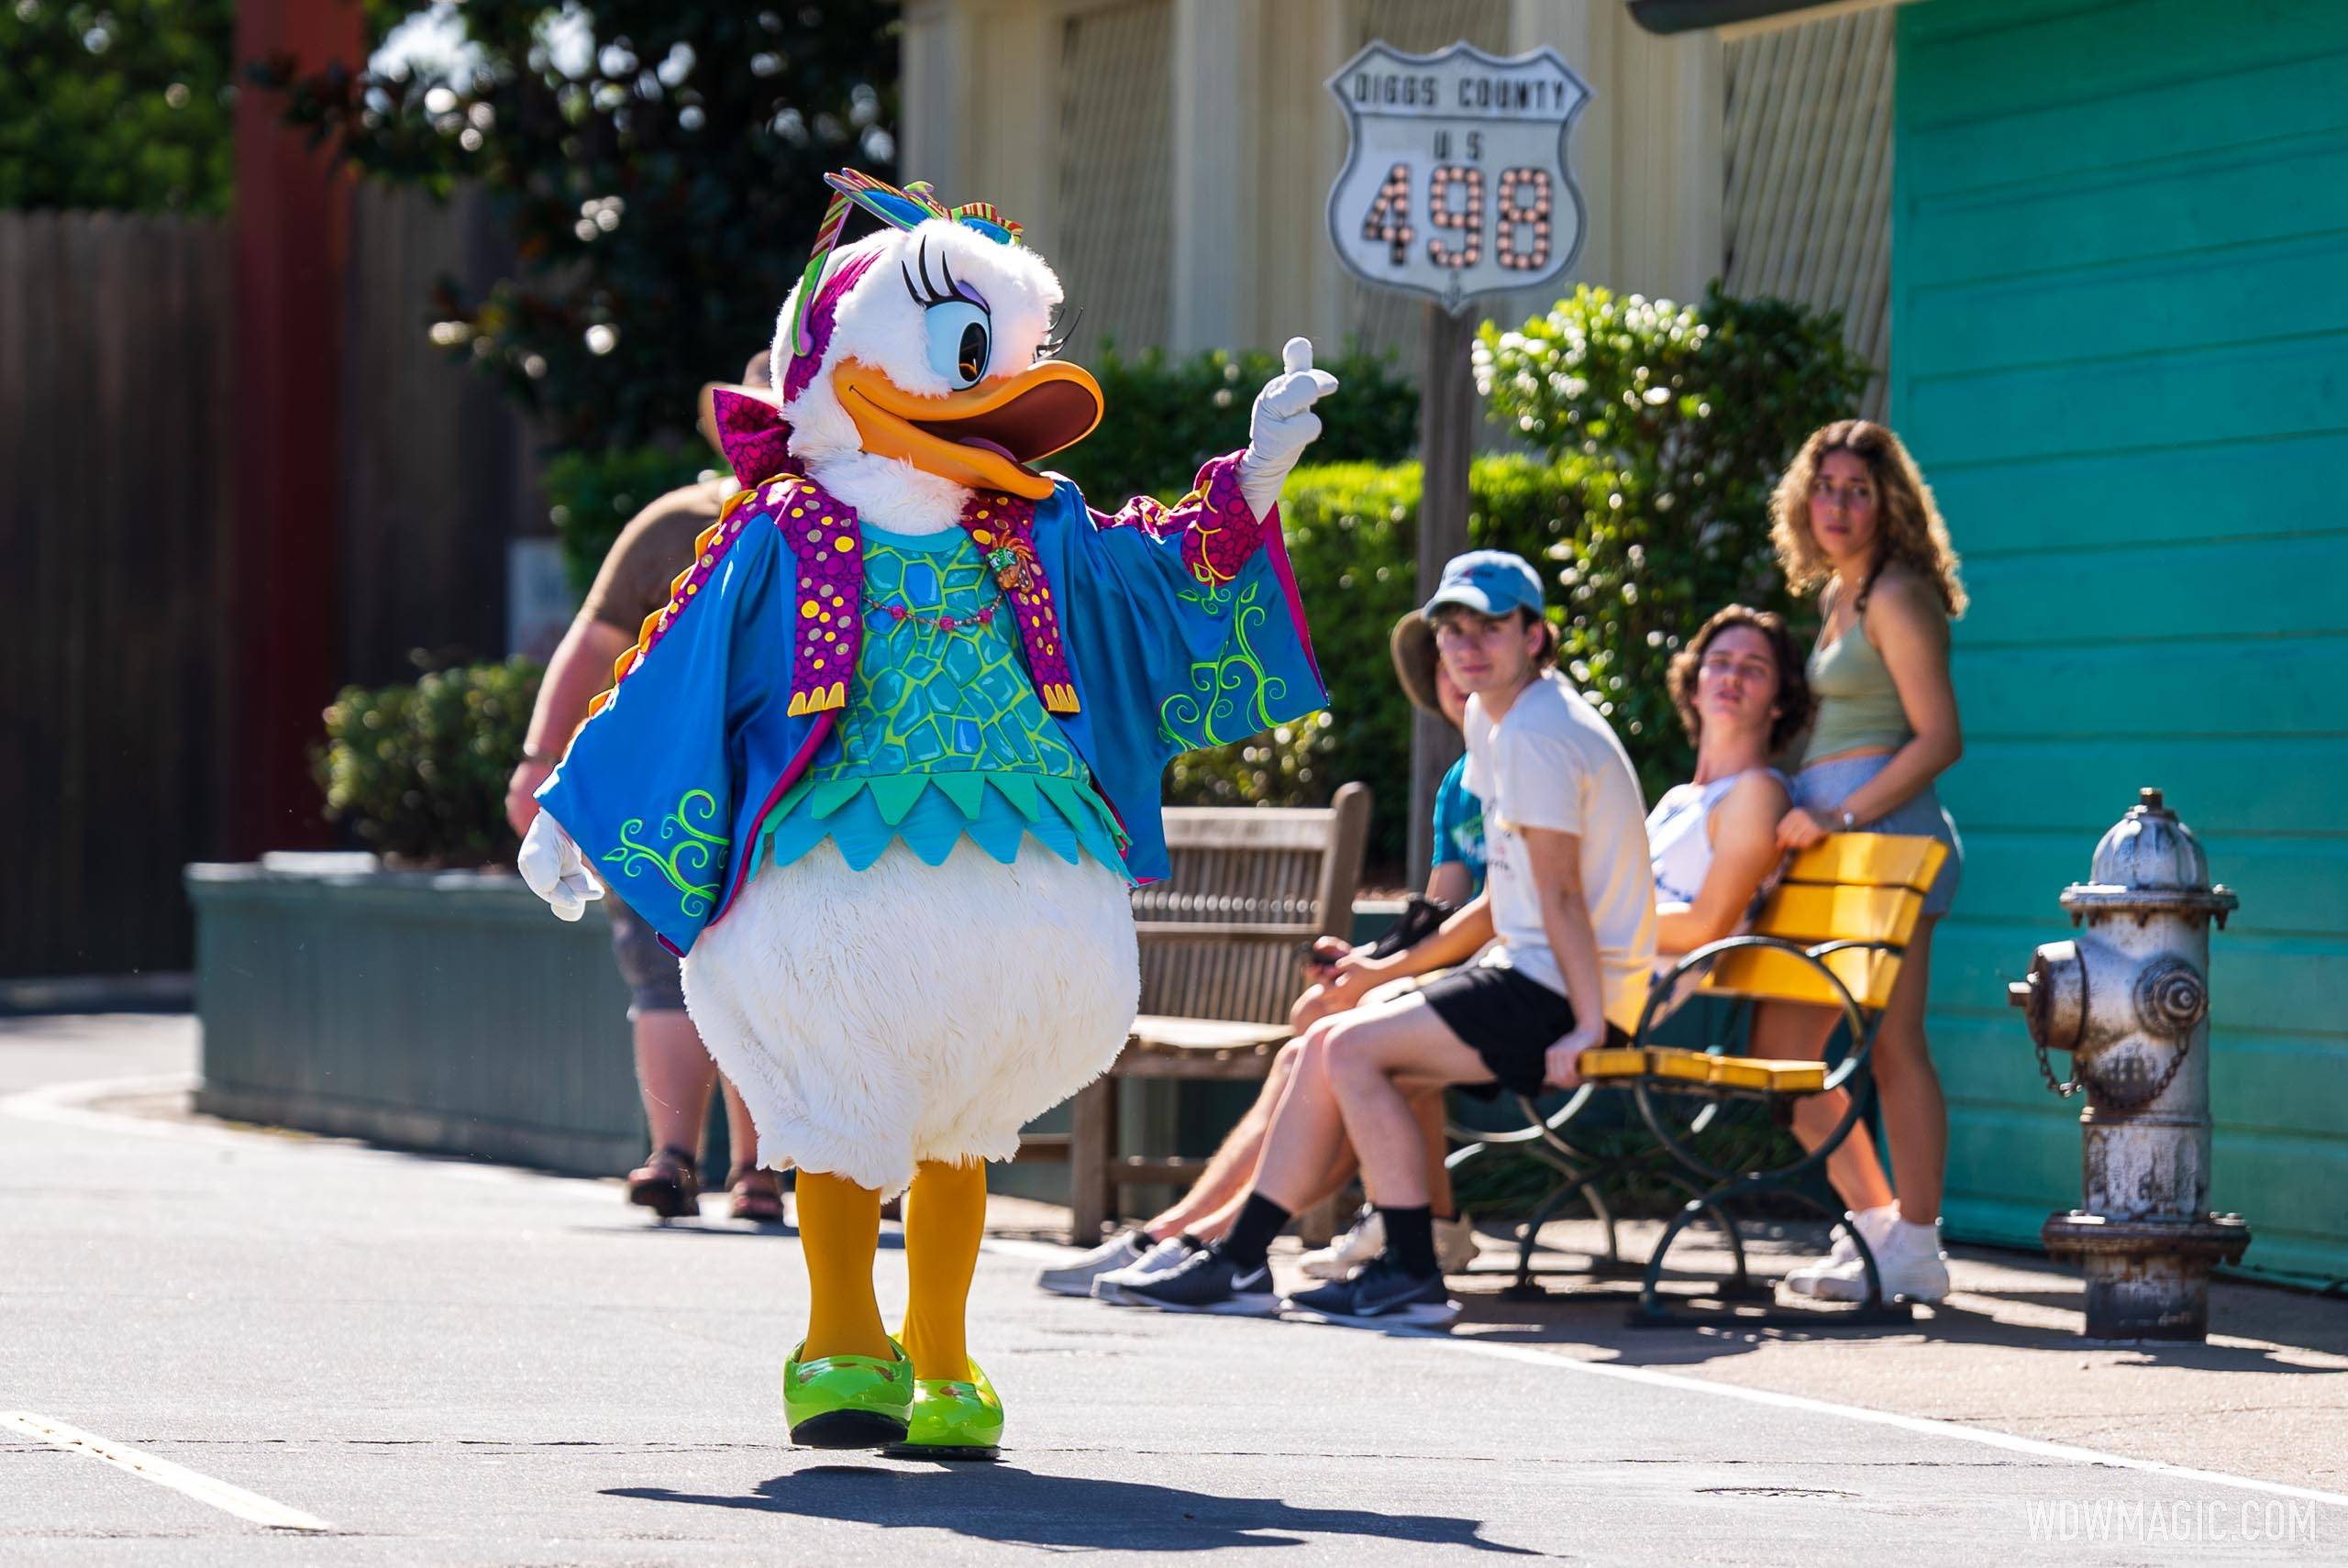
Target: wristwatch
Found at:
x=1850, y=820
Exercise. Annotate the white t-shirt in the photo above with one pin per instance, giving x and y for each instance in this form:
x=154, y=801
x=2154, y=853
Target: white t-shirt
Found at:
x=1551, y=762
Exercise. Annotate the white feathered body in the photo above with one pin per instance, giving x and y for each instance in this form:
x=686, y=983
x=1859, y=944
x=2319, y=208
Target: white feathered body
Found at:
x=906, y=1012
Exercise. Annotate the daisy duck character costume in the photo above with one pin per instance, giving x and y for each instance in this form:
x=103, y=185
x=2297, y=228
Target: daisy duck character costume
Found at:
x=887, y=765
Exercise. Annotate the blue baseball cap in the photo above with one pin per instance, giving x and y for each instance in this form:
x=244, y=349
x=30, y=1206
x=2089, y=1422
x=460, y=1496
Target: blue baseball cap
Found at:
x=1490, y=583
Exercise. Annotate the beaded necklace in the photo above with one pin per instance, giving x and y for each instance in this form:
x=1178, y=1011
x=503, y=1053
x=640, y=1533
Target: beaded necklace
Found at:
x=1010, y=571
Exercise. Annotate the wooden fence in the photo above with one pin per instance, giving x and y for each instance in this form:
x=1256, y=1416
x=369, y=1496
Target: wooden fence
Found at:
x=116, y=392
x=118, y=410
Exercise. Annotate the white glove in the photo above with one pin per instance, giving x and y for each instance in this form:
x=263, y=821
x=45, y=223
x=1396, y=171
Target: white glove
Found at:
x=555, y=869
x=1282, y=424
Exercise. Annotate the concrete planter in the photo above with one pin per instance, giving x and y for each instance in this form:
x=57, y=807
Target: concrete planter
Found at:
x=448, y=1012
x=435, y=1010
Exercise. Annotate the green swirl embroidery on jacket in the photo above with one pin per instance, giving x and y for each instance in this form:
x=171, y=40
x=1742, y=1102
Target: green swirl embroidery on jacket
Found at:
x=1226, y=689
x=697, y=853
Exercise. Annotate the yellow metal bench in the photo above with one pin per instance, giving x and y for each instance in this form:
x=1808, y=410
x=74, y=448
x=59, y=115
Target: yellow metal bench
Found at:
x=1831, y=933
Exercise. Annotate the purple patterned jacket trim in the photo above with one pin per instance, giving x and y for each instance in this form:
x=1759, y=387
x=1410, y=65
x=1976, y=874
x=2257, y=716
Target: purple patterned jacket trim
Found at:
x=1220, y=530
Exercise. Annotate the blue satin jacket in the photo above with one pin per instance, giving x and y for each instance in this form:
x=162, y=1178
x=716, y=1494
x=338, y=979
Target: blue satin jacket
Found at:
x=1178, y=627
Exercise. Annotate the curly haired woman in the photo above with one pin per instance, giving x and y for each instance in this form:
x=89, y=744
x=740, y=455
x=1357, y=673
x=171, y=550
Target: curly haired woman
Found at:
x=1854, y=519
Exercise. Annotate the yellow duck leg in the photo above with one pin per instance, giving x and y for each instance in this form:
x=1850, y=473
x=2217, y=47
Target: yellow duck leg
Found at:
x=955, y=1413
x=846, y=1386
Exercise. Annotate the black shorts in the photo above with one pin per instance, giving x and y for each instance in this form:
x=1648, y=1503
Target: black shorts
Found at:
x=654, y=981
x=1508, y=1020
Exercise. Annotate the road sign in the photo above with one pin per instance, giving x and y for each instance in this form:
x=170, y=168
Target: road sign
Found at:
x=1456, y=182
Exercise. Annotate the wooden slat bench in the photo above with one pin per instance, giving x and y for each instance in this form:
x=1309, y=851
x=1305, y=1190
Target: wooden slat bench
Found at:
x=1220, y=949
x=1831, y=933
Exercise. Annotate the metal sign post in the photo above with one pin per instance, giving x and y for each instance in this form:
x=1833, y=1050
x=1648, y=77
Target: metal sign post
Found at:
x=1455, y=185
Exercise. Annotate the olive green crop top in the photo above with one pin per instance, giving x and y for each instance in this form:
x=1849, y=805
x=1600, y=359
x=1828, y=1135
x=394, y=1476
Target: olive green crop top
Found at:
x=1858, y=705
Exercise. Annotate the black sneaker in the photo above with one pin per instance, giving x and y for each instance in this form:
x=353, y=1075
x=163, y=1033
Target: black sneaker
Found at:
x=1206, y=1281
x=1381, y=1295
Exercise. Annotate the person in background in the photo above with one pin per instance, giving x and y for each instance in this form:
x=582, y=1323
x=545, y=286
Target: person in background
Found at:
x=1853, y=518
x=1204, y=1213
x=673, y=1070
x=1562, y=944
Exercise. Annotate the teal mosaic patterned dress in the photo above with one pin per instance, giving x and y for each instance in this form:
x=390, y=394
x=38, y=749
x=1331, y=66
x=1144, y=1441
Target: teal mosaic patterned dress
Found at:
x=947, y=739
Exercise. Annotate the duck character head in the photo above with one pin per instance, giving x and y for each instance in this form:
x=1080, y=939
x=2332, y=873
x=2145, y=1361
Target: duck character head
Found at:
x=919, y=364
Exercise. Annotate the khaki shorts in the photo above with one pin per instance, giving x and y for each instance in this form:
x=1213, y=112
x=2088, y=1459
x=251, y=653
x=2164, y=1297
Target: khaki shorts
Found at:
x=655, y=983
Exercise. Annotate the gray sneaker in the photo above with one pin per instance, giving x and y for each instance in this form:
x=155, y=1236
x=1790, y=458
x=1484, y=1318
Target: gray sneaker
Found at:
x=1168, y=1254
x=1207, y=1281
x=1381, y=1295
x=1076, y=1278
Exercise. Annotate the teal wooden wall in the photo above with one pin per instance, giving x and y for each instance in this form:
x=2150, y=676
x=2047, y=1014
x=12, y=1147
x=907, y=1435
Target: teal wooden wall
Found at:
x=2120, y=351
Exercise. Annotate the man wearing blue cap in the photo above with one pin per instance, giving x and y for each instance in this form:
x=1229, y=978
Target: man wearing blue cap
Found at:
x=1562, y=941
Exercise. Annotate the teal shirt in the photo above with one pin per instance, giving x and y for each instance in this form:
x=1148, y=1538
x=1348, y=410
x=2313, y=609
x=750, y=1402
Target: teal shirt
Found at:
x=945, y=736
x=1459, y=826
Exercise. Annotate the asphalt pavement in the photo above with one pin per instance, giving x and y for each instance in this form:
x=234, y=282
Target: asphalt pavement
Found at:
x=239, y=1347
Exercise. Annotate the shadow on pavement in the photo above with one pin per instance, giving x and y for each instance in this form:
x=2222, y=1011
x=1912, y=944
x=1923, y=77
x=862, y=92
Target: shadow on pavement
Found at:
x=1003, y=1503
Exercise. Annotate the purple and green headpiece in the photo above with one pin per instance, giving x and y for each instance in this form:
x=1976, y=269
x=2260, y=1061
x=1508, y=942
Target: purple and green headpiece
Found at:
x=905, y=209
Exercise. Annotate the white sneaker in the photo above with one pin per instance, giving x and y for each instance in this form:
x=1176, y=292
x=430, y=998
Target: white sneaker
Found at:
x=1909, y=1259
x=1076, y=1278
x=1454, y=1245
x=1350, y=1250
x=1874, y=1224
x=1168, y=1254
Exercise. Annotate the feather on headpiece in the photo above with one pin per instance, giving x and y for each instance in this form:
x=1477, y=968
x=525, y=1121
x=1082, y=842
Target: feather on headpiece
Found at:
x=915, y=204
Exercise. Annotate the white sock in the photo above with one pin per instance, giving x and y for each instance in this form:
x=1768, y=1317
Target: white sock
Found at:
x=1915, y=1237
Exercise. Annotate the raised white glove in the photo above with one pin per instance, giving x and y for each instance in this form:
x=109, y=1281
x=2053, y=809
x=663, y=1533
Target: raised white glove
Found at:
x=555, y=869
x=1282, y=424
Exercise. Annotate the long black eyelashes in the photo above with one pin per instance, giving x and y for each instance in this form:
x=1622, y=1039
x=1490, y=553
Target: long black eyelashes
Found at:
x=926, y=294
x=1061, y=328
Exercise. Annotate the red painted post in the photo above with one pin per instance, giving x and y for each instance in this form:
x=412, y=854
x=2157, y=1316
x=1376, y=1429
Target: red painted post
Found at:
x=279, y=641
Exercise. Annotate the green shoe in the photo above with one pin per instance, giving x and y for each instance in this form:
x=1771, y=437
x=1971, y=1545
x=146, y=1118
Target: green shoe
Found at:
x=953, y=1421
x=848, y=1401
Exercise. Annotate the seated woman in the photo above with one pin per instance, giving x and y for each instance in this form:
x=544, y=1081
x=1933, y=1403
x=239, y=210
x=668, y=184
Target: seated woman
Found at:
x=1713, y=842
x=1202, y=1214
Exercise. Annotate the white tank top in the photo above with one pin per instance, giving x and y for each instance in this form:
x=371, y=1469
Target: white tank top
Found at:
x=1679, y=849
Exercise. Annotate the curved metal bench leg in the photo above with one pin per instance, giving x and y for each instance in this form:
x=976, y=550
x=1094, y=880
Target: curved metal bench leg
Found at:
x=1649, y=1308
x=1524, y=1289
x=1741, y=1286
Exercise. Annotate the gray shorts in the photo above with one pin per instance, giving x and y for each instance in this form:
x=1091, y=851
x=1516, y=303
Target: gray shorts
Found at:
x=1824, y=788
x=654, y=982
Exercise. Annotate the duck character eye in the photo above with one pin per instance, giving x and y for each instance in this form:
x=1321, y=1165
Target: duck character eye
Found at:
x=961, y=342
x=960, y=328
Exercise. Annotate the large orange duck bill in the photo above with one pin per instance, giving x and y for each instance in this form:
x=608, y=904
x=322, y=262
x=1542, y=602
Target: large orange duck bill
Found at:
x=987, y=438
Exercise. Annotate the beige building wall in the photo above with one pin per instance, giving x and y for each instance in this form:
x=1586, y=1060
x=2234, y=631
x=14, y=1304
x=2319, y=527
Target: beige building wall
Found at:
x=1173, y=157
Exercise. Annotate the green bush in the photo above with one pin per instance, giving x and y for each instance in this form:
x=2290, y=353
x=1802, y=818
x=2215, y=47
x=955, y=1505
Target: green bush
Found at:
x=419, y=771
x=1352, y=531
x=591, y=495
x=657, y=166
x=1678, y=420
x=124, y=104
x=1167, y=415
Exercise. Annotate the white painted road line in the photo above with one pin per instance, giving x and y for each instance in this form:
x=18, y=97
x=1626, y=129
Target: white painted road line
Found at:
x=204, y=1488
x=1044, y=1251
x=1925, y=1425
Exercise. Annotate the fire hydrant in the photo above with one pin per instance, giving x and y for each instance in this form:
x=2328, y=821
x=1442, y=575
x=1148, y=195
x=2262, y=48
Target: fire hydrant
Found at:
x=2130, y=1001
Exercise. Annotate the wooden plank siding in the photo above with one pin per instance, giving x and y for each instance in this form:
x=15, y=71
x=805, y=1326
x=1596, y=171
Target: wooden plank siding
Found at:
x=116, y=392
x=1807, y=211
x=117, y=403
x=2120, y=231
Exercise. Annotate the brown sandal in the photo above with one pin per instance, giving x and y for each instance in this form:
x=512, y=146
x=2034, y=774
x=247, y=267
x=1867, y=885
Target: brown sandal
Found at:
x=757, y=1195
x=666, y=1184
